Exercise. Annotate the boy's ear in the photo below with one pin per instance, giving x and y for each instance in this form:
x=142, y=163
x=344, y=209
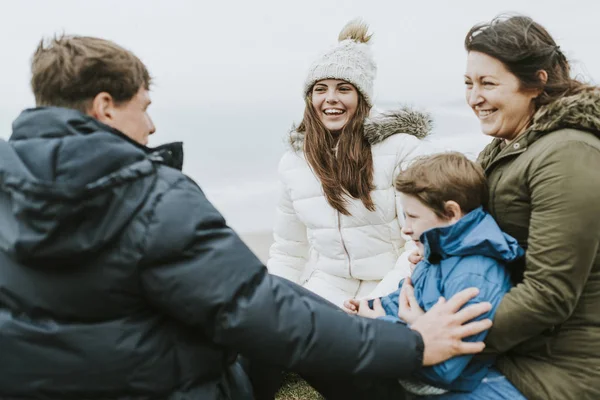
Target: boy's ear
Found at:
x=453, y=211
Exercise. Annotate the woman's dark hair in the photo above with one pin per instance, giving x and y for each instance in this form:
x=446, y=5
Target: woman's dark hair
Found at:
x=525, y=47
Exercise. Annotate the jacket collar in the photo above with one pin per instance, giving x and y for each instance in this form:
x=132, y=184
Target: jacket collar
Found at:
x=383, y=125
x=580, y=111
x=73, y=183
x=58, y=123
x=476, y=233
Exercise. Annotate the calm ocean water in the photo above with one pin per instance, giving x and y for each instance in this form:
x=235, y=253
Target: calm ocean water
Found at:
x=234, y=156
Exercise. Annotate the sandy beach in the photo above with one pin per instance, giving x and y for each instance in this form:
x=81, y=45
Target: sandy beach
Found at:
x=259, y=243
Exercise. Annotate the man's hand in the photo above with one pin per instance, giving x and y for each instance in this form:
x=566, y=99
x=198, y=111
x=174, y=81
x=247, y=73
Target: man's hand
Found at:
x=443, y=327
x=408, y=307
x=351, y=306
x=365, y=311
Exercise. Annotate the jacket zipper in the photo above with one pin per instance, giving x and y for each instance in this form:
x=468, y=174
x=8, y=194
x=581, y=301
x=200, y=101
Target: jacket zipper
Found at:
x=344, y=244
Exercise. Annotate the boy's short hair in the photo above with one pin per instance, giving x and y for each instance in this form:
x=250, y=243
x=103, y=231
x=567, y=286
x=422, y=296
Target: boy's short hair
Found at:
x=69, y=71
x=439, y=178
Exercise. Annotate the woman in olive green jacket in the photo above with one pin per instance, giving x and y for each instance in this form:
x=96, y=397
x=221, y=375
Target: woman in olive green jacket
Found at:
x=543, y=168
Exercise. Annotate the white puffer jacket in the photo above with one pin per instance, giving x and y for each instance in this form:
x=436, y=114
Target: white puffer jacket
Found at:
x=338, y=256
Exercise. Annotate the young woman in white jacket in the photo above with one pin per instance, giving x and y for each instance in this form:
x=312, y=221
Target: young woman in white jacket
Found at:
x=338, y=223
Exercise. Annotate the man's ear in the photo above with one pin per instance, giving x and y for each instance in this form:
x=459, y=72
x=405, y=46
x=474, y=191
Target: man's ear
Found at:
x=102, y=108
x=453, y=211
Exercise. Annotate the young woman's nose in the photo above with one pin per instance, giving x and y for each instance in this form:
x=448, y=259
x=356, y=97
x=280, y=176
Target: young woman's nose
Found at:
x=331, y=97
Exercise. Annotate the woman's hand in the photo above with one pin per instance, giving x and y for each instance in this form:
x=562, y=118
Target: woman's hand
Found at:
x=351, y=306
x=365, y=311
x=408, y=307
x=414, y=258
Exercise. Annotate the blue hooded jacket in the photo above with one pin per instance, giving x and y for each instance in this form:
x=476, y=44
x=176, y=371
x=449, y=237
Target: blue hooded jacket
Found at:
x=469, y=253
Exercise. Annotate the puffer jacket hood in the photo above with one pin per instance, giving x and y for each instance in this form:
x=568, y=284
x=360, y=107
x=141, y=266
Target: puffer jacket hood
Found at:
x=72, y=184
x=474, y=234
x=383, y=125
x=579, y=111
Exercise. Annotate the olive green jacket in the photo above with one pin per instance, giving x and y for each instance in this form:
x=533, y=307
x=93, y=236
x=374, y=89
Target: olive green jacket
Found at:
x=545, y=192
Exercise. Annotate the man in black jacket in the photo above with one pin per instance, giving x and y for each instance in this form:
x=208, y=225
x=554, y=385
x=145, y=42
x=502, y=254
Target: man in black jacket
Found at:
x=119, y=279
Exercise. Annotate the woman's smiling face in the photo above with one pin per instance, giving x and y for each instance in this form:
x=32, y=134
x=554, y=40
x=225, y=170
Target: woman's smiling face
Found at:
x=335, y=102
x=495, y=95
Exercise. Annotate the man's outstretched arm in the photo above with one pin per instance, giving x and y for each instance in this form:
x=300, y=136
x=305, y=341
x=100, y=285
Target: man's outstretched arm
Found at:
x=199, y=272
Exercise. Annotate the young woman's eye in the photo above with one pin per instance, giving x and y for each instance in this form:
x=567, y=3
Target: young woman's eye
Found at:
x=345, y=89
x=468, y=83
x=487, y=83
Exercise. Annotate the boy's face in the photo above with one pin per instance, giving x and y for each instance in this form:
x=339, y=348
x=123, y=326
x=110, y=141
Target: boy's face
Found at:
x=419, y=218
x=132, y=117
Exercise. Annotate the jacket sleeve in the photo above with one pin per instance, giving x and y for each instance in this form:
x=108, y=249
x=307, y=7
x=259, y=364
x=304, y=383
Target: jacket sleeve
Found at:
x=197, y=271
x=409, y=148
x=392, y=279
x=288, y=254
x=564, y=236
x=401, y=269
x=445, y=373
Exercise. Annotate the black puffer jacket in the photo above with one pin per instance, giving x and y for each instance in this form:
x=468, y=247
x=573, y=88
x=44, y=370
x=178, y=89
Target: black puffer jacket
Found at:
x=118, y=279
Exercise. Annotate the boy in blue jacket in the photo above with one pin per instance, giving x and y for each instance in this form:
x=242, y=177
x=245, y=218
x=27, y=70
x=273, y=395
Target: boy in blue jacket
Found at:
x=442, y=197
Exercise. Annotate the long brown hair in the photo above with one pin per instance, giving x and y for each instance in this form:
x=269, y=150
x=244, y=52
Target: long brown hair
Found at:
x=347, y=170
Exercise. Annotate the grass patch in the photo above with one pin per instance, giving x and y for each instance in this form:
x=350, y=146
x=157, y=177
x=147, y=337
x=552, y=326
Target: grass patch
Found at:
x=296, y=388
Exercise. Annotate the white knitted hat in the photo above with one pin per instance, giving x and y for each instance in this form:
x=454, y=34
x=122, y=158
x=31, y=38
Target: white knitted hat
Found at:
x=350, y=60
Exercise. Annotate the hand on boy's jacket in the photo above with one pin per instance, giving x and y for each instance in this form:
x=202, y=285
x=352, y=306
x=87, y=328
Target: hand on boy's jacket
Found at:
x=443, y=327
x=414, y=258
x=361, y=308
x=408, y=307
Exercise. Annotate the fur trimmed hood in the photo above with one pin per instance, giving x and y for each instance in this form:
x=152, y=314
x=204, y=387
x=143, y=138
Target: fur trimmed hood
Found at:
x=383, y=125
x=580, y=111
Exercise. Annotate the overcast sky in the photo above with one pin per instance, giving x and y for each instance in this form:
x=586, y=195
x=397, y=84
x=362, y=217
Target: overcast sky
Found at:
x=254, y=53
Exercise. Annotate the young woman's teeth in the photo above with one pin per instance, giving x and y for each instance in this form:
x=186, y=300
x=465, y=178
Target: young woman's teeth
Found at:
x=485, y=113
x=333, y=112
